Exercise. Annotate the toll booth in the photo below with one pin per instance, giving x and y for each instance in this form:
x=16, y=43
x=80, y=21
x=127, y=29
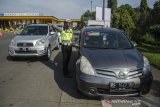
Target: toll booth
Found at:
x=10, y=20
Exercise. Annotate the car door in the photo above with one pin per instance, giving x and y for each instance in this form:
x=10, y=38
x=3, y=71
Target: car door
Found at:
x=56, y=38
x=53, y=37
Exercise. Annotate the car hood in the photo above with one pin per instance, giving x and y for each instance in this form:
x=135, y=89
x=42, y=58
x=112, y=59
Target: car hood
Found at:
x=28, y=38
x=110, y=58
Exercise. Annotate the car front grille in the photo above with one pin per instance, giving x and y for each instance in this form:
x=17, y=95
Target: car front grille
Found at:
x=106, y=73
x=113, y=73
x=24, y=44
x=135, y=73
x=26, y=52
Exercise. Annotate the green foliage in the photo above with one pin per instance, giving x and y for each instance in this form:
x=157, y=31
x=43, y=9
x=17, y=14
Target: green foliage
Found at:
x=155, y=14
x=155, y=30
x=154, y=59
x=88, y=15
x=152, y=54
x=126, y=22
x=129, y=9
x=115, y=20
x=153, y=43
x=144, y=13
x=148, y=37
x=143, y=6
x=122, y=19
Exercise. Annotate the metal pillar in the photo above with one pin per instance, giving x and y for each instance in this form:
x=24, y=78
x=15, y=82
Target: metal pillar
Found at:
x=103, y=11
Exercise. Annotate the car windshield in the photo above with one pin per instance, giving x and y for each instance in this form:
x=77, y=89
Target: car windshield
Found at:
x=35, y=30
x=106, y=40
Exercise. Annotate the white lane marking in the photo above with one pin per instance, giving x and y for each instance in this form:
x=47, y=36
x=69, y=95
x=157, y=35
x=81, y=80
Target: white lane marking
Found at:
x=106, y=102
x=120, y=102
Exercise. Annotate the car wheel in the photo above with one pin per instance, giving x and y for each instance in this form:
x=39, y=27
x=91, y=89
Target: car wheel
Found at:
x=48, y=54
x=11, y=58
x=145, y=90
x=76, y=82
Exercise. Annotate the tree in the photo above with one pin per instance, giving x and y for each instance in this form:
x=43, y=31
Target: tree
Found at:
x=128, y=8
x=115, y=20
x=126, y=22
x=88, y=15
x=113, y=5
x=143, y=14
x=155, y=13
x=122, y=19
x=143, y=6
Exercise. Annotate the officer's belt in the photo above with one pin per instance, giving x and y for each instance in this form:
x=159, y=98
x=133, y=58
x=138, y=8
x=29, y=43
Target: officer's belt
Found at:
x=66, y=42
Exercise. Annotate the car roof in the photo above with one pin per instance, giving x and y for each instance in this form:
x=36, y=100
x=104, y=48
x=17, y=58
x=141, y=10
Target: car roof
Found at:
x=100, y=28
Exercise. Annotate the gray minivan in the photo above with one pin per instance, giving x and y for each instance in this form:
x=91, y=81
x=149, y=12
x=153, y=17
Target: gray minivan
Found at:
x=109, y=64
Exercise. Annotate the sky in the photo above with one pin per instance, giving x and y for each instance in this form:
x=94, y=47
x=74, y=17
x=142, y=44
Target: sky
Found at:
x=63, y=9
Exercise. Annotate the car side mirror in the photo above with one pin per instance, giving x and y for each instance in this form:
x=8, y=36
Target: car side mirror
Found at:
x=52, y=33
x=134, y=43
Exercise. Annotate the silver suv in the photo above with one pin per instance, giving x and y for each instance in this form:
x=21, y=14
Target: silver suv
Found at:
x=34, y=40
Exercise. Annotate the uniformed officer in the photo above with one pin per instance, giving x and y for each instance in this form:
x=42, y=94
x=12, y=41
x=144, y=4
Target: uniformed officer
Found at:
x=66, y=34
x=66, y=39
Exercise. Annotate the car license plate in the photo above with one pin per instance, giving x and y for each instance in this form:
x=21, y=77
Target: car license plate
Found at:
x=121, y=86
x=24, y=49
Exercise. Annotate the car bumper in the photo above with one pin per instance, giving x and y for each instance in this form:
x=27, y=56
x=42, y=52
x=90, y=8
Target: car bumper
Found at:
x=100, y=86
x=26, y=51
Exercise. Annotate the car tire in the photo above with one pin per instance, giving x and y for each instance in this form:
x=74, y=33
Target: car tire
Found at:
x=144, y=91
x=76, y=82
x=48, y=54
x=11, y=58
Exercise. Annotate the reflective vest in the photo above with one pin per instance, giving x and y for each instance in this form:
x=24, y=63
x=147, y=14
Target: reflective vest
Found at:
x=71, y=31
x=66, y=37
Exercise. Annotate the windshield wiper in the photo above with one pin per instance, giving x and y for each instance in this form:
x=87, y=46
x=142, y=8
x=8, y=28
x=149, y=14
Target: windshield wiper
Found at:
x=107, y=48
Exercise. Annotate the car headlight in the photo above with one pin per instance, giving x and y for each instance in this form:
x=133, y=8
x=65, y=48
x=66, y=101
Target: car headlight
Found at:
x=146, y=67
x=41, y=42
x=13, y=42
x=85, y=66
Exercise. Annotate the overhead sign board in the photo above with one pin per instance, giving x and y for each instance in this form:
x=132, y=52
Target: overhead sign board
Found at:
x=1, y=14
x=20, y=14
x=98, y=13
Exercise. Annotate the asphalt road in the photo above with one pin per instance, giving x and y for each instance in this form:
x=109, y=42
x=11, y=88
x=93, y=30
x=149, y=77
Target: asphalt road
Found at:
x=32, y=82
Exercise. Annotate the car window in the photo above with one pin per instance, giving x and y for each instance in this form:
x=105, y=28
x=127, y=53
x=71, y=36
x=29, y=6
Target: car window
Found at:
x=35, y=30
x=109, y=40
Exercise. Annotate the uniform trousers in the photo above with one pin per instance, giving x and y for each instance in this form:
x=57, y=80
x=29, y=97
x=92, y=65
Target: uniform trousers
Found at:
x=66, y=55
